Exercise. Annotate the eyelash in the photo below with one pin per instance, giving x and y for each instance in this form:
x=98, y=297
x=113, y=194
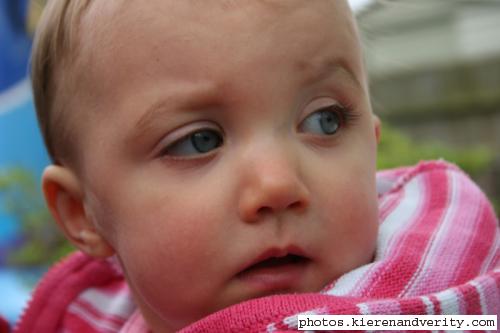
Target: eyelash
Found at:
x=346, y=114
x=166, y=151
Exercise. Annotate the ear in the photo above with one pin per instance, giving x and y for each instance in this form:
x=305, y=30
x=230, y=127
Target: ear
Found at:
x=377, y=126
x=64, y=197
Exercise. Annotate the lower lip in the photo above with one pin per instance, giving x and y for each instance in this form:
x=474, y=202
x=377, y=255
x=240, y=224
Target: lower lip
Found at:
x=285, y=278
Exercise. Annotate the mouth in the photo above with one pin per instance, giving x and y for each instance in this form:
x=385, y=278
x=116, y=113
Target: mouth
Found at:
x=276, y=270
x=275, y=263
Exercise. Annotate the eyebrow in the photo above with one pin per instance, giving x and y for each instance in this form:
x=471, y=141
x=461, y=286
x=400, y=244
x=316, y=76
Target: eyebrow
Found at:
x=195, y=99
x=205, y=96
x=321, y=70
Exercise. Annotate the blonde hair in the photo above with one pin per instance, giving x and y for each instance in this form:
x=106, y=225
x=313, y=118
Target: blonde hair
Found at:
x=54, y=48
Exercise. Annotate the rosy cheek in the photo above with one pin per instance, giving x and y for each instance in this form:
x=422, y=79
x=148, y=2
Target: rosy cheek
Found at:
x=352, y=213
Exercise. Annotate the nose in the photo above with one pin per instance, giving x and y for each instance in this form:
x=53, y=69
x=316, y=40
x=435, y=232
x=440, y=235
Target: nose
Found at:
x=272, y=186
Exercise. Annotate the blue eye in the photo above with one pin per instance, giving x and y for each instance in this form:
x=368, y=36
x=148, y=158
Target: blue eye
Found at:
x=326, y=121
x=198, y=142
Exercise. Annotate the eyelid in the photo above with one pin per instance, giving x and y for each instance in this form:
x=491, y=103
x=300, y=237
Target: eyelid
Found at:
x=317, y=104
x=347, y=112
x=183, y=132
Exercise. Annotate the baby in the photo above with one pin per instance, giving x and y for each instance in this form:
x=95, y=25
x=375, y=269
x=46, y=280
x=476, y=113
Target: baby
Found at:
x=221, y=150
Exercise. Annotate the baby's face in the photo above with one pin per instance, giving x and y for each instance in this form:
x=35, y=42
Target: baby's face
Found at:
x=228, y=149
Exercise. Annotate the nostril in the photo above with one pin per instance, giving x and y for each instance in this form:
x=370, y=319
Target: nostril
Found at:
x=297, y=205
x=264, y=210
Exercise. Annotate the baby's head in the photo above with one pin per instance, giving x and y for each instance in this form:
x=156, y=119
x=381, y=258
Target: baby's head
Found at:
x=223, y=150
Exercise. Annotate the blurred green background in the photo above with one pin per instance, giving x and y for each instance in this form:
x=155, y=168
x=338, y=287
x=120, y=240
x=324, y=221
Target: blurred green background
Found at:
x=434, y=69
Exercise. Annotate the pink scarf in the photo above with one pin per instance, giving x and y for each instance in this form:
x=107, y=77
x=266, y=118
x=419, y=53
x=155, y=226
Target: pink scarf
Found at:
x=438, y=252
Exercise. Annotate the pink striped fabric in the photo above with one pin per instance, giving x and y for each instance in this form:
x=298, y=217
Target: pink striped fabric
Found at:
x=438, y=252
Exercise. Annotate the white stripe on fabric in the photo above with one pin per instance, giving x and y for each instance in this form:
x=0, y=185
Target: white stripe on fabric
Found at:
x=480, y=291
x=438, y=239
x=120, y=304
x=492, y=254
x=400, y=217
x=271, y=328
x=100, y=324
x=363, y=309
x=429, y=306
x=135, y=324
x=347, y=282
x=449, y=301
x=383, y=185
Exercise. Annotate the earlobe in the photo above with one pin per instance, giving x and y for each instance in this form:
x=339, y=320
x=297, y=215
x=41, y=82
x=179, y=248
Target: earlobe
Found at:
x=64, y=198
x=377, y=127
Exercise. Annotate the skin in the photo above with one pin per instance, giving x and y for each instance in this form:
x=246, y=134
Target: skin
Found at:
x=183, y=225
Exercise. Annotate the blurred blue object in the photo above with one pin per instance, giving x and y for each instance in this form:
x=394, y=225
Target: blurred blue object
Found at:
x=20, y=143
x=9, y=234
x=15, y=288
x=20, y=140
x=14, y=41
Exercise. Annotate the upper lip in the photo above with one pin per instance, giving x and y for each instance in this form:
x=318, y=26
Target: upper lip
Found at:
x=274, y=252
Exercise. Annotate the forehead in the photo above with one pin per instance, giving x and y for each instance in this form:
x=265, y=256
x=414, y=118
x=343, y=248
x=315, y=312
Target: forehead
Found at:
x=180, y=34
x=184, y=15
